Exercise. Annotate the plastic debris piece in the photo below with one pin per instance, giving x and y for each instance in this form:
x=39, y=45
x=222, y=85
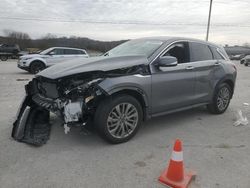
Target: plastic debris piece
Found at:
x=22, y=79
x=246, y=104
x=66, y=129
x=240, y=119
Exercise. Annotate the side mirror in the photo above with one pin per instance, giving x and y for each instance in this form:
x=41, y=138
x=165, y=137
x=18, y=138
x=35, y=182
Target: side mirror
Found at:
x=167, y=61
x=52, y=53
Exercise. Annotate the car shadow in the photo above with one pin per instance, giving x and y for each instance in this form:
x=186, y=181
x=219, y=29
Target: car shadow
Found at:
x=80, y=138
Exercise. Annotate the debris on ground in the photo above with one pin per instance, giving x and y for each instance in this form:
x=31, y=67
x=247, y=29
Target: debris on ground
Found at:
x=246, y=104
x=22, y=79
x=240, y=119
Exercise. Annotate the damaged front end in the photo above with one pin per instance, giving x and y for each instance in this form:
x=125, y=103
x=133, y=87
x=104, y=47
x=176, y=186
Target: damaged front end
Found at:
x=73, y=99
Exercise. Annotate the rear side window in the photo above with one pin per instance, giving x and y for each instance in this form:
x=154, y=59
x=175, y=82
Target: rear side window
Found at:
x=70, y=51
x=216, y=54
x=200, y=52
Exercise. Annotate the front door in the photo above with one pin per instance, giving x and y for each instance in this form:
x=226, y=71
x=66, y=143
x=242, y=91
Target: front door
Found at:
x=55, y=56
x=173, y=87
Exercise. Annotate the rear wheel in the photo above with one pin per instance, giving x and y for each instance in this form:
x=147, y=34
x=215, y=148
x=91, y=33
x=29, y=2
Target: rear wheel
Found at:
x=221, y=99
x=4, y=58
x=36, y=67
x=118, y=119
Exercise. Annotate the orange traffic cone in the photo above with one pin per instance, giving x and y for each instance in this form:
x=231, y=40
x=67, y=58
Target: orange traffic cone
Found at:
x=174, y=176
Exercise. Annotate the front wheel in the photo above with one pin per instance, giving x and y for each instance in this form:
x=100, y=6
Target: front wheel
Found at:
x=221, y=99
x=118, y=119
x=246, y=64
x=36, y=67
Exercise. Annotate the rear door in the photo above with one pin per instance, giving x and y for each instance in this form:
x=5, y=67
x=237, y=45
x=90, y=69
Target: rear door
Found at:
x=204, y=63
x=173, y=87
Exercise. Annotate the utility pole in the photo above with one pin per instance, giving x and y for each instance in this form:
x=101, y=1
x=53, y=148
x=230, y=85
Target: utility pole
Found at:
x=209, y=16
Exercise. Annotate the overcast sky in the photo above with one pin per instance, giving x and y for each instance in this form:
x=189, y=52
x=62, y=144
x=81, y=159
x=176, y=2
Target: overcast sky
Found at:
x=127, y=19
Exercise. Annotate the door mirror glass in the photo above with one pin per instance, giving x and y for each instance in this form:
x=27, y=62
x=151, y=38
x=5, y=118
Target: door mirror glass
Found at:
x=167, y=61
x=52, y=53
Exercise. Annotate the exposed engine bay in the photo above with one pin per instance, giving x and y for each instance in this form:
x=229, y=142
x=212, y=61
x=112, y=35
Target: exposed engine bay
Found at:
x=73, y=98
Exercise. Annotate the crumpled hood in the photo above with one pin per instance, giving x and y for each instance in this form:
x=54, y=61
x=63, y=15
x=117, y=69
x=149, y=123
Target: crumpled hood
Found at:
x=81, y=65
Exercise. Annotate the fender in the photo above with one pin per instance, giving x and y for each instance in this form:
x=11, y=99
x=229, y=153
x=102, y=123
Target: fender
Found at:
x=132, y=83
x=227, y=77
x=136, y=89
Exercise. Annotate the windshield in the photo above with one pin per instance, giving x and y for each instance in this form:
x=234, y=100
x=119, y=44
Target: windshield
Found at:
x=135, y=47
x=44, y=52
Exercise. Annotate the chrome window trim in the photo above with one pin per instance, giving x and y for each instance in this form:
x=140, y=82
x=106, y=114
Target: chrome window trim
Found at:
x=184, y=40
x=165, y=49
x=218, y=50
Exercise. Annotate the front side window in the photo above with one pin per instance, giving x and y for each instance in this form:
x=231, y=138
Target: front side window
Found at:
x=57, y=51
x=200, y=52
x=180, y=51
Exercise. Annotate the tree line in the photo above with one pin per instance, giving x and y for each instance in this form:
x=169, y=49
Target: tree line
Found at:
x=25, y=42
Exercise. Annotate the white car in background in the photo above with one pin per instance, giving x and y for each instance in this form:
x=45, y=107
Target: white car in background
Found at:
x=35, y=63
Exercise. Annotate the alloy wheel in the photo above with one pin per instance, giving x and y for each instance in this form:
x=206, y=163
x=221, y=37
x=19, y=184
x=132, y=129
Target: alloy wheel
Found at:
x=223, y=98
x=122, y=120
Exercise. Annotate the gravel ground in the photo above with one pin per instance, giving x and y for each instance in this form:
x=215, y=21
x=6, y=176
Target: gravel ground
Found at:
x=213, y=147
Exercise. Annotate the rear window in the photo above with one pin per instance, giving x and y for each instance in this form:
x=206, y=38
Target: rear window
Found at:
x=80, y=52
x=200, y=52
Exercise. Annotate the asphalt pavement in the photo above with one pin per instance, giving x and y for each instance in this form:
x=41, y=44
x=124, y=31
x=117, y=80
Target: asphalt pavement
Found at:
x=218, y=151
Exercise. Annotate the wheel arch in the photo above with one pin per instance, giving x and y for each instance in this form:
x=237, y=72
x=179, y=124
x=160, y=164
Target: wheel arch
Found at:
x=137, y=93
x=228, y=80
x=38, y=60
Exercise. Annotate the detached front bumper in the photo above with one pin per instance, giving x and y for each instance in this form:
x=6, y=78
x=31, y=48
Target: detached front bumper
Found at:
x=32, y=122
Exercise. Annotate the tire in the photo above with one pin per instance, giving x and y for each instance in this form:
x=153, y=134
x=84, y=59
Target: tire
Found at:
x=221, y=99
x=4, y=58
x=246, y=64
x=124, y=129
x=36, y=67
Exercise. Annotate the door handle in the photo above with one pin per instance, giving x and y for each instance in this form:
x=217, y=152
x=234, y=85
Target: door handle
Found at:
x=189, y=68
x=217, y=63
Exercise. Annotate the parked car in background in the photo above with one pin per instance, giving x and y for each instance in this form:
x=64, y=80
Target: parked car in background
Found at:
x=132, y=82
x=245, y=60
x=35, y=63
x=237, y=57
x=8, y=51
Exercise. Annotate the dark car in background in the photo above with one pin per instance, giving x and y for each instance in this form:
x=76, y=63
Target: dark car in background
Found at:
x=131, y=83
x=8, y=50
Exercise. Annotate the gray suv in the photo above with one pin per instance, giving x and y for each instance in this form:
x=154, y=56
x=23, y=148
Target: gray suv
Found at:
x=131, y=83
